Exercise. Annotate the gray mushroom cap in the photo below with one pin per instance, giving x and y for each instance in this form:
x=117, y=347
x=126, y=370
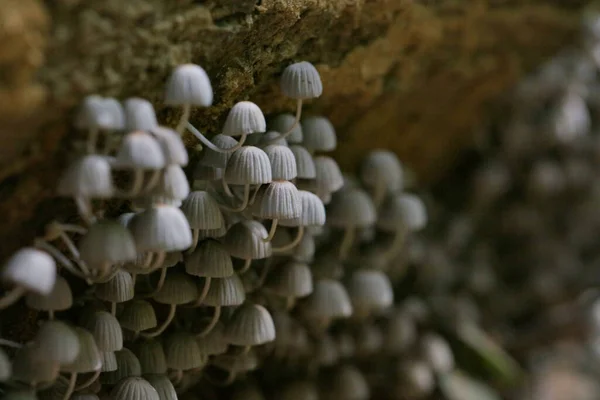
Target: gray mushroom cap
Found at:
x=57, y=342
x=217, y=159
x=329, y=299
x=250, y=325
x=189, y=84
x=163, y=386
x=138, y=315
x=225, y=292
x=382, y=167
x=291, y=280
x=301, y=81
x=32, y=367
x=283, y=162
x=248, y=165
x=178, y=288
x=437, y=353
x=161, y=228
x=328, y=178
x=278, y=200
x=139, y=115
x=172, y=146
x=351, y=208
x=214, y=342
x=109, y=361
x=202, y=211
x=140, y=150
x=283, y=123
x=313, y=211
x=93, y=114
x=88, y=176
x=182, y=352
x=117, y=290
x=32, y=269
x=151, y=355
x=305, y=250
x=270, y=138
x=128, y=366
x=88, y=359
x=106, y=331
x=107, y=242
x=237, y=362
x=244, y=117
x=59, y=299
x=134, y=388
x=245, y=240
x=370, y=290
x=404, y=211
x=347, y=382
x=173, y=185
x=209, y=259
x=305, y=165
x=319, y=134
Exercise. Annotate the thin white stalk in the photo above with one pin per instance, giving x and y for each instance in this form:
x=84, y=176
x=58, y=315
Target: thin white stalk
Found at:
x=203, y=293
x=164, y=325
x=89, y=381
x=85, y=209
x=210, y=144
x=71, y=386
x=346, y=243
x=11, y=297
x=294, y=243
x=294, y=125
x=242, y=206
x=195, y=235
x=246, y=266
x=226, y=187
x=271, y=231
x=183, y=120
x=396, y=246
x=211, y=324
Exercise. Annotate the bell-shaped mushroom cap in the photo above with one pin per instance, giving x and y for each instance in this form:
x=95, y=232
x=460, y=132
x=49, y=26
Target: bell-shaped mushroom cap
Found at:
x=172, y=259
x=189, y=84
x=57, y=342
x=328, y=178
x=22, y=394
x=305, y=250
x=161, y=228
x=178, y=288
x=313, y=211
x=109, y=361
x=118, y=290
x=182, y=352
x=293, y=279
x=305, y=165
x=299, y=390
x=244, y=117
x=329, y=299
x=88, y=359
x=217, y=159
x=250, y=325
x=128, y=365
x=237, y=362
x=319, y=134
x=209, y=259
x=351, y=208
x=107, y=242
x=248, y=165
x=94, y=114
x=279, y=199
x=437, y=353
x=370, y=290
x=404, y=211
x=283, y=162
x=245, y=240
x=346, y=382
x=173, y=184
x=172, y=146
x=5, y=366
x=202, y=211
x=301, y=81
x=134, y=388
x=163, y=386
x=32, y=269
x=138, y=315
x=283, y=123
x=151, y=355
x=270, y=138
x=32, y=367
x=88, y=176
x=106, y=330
x=225, y=292
x=382, y=167
x=59, y=299
x=214, y=342
x=139, y=115
x=140, y=150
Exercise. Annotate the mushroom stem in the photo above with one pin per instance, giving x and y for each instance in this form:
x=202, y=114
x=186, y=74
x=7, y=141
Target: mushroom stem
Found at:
x=89, y=381
x=164, y=325
x=62, y=260
x=10, y=343
x=210, y=144
x=195, y=236
x=204, y=292
x=254, y=195
x=178, y=377
x=293, y=243
x=74, y=252
x=138, y=182
x=85, y=209
x=183, y=120
x=396, y=245
x=244, y=202
x=159, y=259
x=226, y=187
x=159, y=285
x=71, y=386
x=290, y=301
x=92, y=140
x=211, y=324
x=346, y=242
x=294, y=125
x=153, y=181
x=246, y=267
x=379, y=194
x=265, y=271
x=271, y=231
x=12, y=296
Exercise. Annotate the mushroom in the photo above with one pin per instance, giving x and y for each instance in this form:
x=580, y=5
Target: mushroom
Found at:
x=97, y=113
x=106, y=330
x=247, y=166
x=345, y=382
x=313, y=214
x=214, y=342
x=182, y=353
x=328, y=300
x=134, y=388
x=60, y=298
x=87, y=361
x=328, y=177
x=382, y=173
x=233, y=365
x=319, y=134
x=250, y=325
x=152, y=358
x=163, y=386
x=57, y=342
x=139, y=115
x=278, y=200
x=245, y=240
x=292, y=280
x=128, y=366
x=203, y=213
x=283, y=162
x=223, y=292
x=305, y=165
x=172, y=146
x=33, y=368
x=120, y=288
x=287, y=123
x=138, y=316
x=370, y=292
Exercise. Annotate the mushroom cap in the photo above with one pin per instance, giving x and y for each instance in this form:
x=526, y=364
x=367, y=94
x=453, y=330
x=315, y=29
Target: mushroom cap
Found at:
x=245, y=240
x=416, y=377
x=244, y=117
x=209, y=259
x=283, y=162
x=172, y=146
x=87, y=176
x=128, y=366
x=163, y=386
x=173, y=185
x=57, y=342
x=107, y=242
x=370, y=290
x=152, y=357
x=403, y=211
x=313, y=211
x=328, y=178
x=278, y=199
x=109, y=361
x=218, y=159
x=225, y=292
x=161, y=228
x=305, y=165
x=214, y=342
x=351, y=208
x=139, y=115
x=32, y=269
x=305, y=250
x=140, y=150
x=88, y=359
x=202, y=211
x=250, y=325
x=437, y=353
x=329, y=299
x=178, y=288
x=283, y=123
x=207, y=173
x=248, y=165
x=94, y=114
x=182, y=352
x=237, y=362
x=118, y=290
x=271, y=138
x=382, y=167
x=301, y=81
x=189, y=84
x=319, y=134
x=138, y=315
x=31, y=366
x=347, y=382
x=59, y=299
x=292, y=279
x=106, y=330
x=134, y=388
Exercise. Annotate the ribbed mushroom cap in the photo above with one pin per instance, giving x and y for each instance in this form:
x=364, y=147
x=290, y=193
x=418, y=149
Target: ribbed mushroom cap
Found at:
x=88, y=358
x=109, y=361
x=207, y=173
x=212, y=233
x=404, y=211
x=293, y=279
x=351, y=208
x=128, y=366
x=189, y=84
x=214, y=342
x=245, y=240
x=172, y=146
x=248, y=165
x=139, y=115
x=328, y=178
x=118, y=290
x=278, y=199
x=225, y=292
x=32, y=269
x=437, y=353
x=178, y=288
x=173, y=184
x=313, y=211
x=271, y=138
x=305, y=165
x=237, y=362
x=299, y=390
x=93, y=114
x=161, y=228
x=217, y=159
x=329, y=299
x=319, y=134
x=152, y=357
x=172, y=259
x=31, y=366
x=382, y=167
x=138, y=315
x=106, y=330
x=140, y=150
x=59, y=299
x=347, y=382
x=283, y=123
x=305, y=250
x=250, y=325
x=283, y=162
x=88, y=176
x=163, y=386
x=107, y=242
x=57, y=342
x=5, y=366
x=134, y=388
x=202, y=211
x=182, y=352
x=370, y=290
x=301, y=81
x=244, y=117
x=209, y=259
